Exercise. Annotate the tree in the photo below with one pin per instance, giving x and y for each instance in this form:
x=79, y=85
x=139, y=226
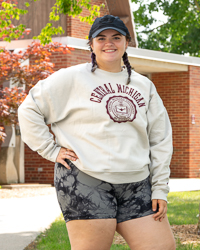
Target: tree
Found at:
x=13, y=69
x=11, y=64
x=179, y=34
x=10, y=12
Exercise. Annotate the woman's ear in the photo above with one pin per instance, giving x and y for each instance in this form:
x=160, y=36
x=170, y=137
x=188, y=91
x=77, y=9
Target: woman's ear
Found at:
x=126, y=45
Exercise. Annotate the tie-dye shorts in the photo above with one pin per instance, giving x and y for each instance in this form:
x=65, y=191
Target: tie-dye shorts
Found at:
x=83, y=197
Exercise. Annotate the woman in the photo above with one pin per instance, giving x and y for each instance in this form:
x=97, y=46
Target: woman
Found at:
x=113, y=145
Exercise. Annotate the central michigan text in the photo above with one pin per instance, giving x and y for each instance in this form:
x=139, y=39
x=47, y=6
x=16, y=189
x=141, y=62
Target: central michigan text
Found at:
x=101, y=91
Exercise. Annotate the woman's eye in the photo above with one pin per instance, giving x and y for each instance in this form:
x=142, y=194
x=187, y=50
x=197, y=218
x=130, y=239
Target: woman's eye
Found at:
x=101, y=39
x=116, y=38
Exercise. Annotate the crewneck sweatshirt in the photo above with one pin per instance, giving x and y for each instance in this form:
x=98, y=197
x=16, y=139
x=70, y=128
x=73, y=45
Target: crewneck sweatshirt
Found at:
x=120, y=133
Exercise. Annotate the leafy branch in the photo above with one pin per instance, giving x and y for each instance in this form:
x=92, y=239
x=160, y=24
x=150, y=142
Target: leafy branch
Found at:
x=151, y=30
x=9, y=11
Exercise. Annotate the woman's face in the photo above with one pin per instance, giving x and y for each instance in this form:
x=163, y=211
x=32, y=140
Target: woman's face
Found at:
x=109, y=47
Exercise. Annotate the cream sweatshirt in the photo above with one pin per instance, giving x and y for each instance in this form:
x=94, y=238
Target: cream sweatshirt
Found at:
x=120, y=133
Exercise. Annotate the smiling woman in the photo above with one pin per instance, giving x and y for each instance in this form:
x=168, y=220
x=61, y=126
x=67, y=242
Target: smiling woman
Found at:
x=109, y=47
x=113, y=145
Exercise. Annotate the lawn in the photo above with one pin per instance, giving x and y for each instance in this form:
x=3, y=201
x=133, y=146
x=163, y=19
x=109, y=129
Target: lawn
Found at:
x=182, y=209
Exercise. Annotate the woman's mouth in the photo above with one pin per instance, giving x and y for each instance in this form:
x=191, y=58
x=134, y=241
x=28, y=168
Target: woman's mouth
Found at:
x=109, y=50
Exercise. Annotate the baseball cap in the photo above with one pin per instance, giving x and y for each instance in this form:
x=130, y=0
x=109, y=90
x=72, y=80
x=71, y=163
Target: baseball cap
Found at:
x=108, y=22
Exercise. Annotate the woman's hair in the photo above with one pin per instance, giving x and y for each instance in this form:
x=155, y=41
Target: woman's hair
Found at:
x=128, y=66
x=124, y=57
x=94, y=62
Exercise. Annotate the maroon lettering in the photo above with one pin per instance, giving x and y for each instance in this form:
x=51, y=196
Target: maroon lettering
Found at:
x=111, y=88
x=131, y=91
x=119, y=88
x=138, y=100
x=100, y=98
x=103, y=90
x=141, y=104
x=98, y=91
x=107, y=89
x=92, y=99
x=134, y=94
x=135, y=97
x=126, y=89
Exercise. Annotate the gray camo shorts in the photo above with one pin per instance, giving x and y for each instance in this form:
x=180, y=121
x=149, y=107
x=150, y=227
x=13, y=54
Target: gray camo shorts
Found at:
x=83, y=197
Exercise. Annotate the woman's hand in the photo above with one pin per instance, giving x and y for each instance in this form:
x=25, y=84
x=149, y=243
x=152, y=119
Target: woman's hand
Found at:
x=66, y=153
x=162, y=209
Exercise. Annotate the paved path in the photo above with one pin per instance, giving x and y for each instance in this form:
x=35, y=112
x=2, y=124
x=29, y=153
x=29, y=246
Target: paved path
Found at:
x=22, y=219
x=177, y=185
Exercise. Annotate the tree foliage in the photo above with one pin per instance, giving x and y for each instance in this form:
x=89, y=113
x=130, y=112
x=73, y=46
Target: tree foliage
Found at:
x=9, y=12
x=179, y=34
x=13, y=68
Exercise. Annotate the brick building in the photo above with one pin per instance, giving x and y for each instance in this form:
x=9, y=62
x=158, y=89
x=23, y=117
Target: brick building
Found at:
x=176, y=77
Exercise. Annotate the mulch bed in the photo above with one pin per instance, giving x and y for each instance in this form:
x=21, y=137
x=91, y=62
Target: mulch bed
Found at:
x=185, y=233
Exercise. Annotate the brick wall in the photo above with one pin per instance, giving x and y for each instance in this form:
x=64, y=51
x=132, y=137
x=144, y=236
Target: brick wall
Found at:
x=33, y=161
x=174, y=90
x=194, y=129
x=78, y=29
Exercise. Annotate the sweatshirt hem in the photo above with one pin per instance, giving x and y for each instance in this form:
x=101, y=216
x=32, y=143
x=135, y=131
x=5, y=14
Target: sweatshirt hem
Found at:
x=120, y=177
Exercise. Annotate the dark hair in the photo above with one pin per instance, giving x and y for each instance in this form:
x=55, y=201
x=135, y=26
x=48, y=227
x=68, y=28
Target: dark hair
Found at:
x=128, y=66
x=94, y=62
x=124, y=57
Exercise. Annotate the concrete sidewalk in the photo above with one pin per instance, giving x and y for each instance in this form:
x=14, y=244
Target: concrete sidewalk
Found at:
x=178, y=185
x=22, y=219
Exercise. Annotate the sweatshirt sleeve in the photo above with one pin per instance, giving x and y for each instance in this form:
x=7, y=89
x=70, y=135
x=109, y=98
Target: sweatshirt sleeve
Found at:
x=38, y=111
x=160, y=141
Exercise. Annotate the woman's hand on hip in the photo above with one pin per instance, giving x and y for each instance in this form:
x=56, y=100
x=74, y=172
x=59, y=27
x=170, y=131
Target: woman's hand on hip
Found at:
x=162, y=209
x=66, y=153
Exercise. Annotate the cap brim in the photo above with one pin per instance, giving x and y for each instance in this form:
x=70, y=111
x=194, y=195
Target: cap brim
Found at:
x=108, y=28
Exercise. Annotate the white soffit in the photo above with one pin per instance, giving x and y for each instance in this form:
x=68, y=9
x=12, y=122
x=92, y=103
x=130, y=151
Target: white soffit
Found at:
x=144, y=66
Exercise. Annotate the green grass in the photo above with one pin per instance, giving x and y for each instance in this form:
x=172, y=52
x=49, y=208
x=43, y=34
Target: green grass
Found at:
x=180, y=246
x=182, y=209
x=119, y=247
x=55, y=237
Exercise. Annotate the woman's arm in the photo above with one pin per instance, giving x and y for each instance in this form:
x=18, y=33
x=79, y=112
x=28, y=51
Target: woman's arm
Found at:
x=160, y=141
x=45, y=104
x=33, y=120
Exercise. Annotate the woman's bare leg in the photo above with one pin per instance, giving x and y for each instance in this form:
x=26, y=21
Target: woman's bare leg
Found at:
x=91, y=234
x=146, y=234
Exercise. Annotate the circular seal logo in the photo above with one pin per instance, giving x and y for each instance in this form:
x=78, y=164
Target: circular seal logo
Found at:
x=121, y=109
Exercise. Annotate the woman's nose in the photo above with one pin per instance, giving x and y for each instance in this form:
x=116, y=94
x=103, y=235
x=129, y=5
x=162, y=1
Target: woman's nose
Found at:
x=109, y=41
